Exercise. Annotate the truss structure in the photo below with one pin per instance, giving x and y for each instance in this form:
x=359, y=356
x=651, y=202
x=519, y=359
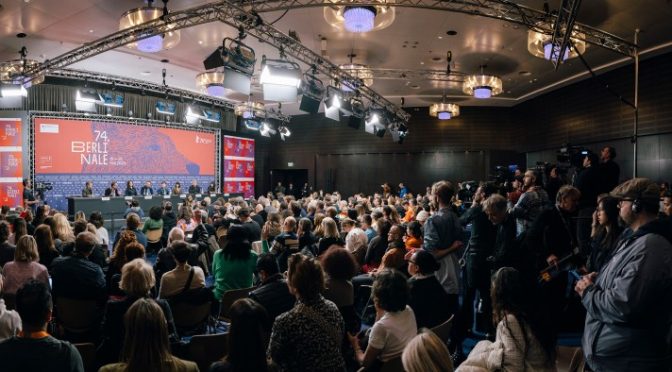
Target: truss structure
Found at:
x=407, y=74
x=173, y=93
x=563, y=29
x=504, y=10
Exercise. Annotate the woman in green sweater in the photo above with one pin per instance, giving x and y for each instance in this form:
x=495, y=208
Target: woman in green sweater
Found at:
x=233, y=266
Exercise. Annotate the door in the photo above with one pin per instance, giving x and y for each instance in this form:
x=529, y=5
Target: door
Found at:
x=297, y=177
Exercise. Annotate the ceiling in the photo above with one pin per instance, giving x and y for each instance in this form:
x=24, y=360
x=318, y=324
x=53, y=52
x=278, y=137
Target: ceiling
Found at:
x=416, y=40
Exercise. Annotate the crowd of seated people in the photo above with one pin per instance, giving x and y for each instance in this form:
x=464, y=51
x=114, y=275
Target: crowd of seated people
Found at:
x=315, y=268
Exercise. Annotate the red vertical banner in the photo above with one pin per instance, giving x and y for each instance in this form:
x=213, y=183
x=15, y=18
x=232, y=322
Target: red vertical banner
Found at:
x=238, y=166
x=11, y=162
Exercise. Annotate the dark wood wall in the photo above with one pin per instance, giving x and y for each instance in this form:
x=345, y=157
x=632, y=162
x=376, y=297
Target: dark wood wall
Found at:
x=341, y=158
x=588, y=114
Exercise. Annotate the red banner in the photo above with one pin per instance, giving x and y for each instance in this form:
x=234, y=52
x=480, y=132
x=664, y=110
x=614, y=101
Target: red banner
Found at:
x=11, y=162
x=238, y=166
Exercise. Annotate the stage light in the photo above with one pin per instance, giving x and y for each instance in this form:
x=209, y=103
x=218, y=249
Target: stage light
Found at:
x=252, y=124
x=165, y=108
x=280, y=80
x=284, y=132
x=84, y=95
x=266, y=129
x=13, y=90
x=112, y=100
x=313, y=91
x=212, y=116
x=398, y=131
x=237, y=61
x=358, y=111
x=332, y=104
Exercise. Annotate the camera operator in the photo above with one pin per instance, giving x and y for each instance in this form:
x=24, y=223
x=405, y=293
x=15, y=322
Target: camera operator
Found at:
x=609, y=169
x=29, y=200
x=590, y=182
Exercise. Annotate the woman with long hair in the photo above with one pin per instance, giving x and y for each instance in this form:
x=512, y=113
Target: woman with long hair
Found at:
x=45, y=245
x=20, y=229
x=604, y=234
x=249, y=333
x=146, y=344
x=330, y=237
x=523, y=342
x=234, y=265
x=25, y=266
x=62, y=230
x=319, y=230
x=118, y=260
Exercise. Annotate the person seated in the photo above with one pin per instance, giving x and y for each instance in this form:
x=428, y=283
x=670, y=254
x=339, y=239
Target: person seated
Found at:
x=132, y=224
x=194, y=188
x=134, y=208
x=426, y=352
x=126, y=251
x=113, y=190
x=233, y=266
x=97, y=256
x=96, y=218
x=6, y=248
x=413, y=237
x=308, y=337
x=154, y=227
x=248, y=339
x=175, y=281
x=395, y=325
x=25, y=266
x=429, y=301
x=130, y=189
x=146, y=189
x=76, y=277
x=87, y=191
x=331, y=236
x=177, y=189
x=137, y=280
x=377, y=246
x=146, y=344
x=33, y=349
x=10, y=321
x=340, y=267
x=522, y=341
x=273, y=292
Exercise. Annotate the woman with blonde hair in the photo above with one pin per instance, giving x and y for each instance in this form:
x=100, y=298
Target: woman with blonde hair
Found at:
x=145, y=326
x=62, y=230
x=25, y=266
x=319, y=230
x=330, y=237
x=426, y=353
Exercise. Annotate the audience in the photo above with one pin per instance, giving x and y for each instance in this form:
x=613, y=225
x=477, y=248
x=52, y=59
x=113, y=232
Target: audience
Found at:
x=132, y=225
x=33, y=349
x=330, y=236
x=606, y=230
x=273, y=292
x=45, y=245
x=76, y=277
x=233, y=266
x=248, y=339
x=96, y=218
x=426, y=352
x=25, y=266
x=184, y=276
x=6, y=248
x=146, y=342
x=308, y=337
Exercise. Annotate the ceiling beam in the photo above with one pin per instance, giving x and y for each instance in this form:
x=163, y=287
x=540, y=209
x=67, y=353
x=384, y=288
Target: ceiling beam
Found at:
x=498, y=9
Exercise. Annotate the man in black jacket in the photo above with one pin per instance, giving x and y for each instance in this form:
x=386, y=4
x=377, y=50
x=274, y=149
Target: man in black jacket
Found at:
x=590, y=182
x=273, y=293
x=75, y=276
x=609, y=169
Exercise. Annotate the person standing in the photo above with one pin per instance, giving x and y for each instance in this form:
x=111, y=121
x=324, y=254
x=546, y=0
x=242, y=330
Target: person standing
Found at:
x=609, y=169
x=29, y=200
x=629, y=305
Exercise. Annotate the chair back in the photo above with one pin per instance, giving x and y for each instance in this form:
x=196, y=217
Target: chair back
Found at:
x=443, y=330
x=154, y=236
x=206, y=349
x=88, y=353
x=229, y=297
x=188, y=316
x=77, y=316
x=393, y=365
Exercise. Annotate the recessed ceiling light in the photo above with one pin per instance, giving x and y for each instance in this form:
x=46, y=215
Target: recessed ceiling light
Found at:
x=422, y=63
x=437, y=59
x=414, y=86
x=145, y=73
x=21, y=35
x=200, y=42
x=440, y=37
x=524, y=73
x=451, y=32
x=91, y=31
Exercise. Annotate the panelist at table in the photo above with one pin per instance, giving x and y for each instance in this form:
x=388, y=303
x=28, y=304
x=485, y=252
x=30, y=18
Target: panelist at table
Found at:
x=147, y=189
x=87, y=191
x=194, y=188
x=113, y=190
x=163, y=190
x=130, y=189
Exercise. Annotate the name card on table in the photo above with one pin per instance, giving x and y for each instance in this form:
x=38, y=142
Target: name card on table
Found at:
x=148, y=197
x=213, y=195
x=105, y=198
x=198, y=195
x=128, y=198
x=183, y=196
x=166, y=196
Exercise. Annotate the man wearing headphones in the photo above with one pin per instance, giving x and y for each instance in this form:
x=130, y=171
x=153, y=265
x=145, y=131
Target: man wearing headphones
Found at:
x=629, y=304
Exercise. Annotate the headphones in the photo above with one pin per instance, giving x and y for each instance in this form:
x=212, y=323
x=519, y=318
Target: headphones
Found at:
x=637, y=205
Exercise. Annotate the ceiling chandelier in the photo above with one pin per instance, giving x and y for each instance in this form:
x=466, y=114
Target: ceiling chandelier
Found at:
x=359, y=71
x=481, y=85
x=443, y=110
x=13, y=73
x=540, y=44
x=250, y=109
x=353, y=18
x=212, y=83
x=145, y=14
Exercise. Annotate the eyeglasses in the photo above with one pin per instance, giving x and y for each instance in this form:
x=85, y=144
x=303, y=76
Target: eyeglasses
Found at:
x=620, y=202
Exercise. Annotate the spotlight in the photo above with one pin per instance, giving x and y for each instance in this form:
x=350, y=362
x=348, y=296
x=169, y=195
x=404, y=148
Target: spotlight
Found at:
x=212, y=116
x=108, y=111
x=251, y=124
x=313, y=91
x=85, y=95
x=149, y=116
x=375, y=123
x=165, y=108
x=64, y=107
x=284, y=132
x=280, y=79
x=266, y=129
x=130, y=114
x=112, y=100
x=237, y=60
x=13, y=90
x=332, y=103
x=358, y=112
x=398, y=131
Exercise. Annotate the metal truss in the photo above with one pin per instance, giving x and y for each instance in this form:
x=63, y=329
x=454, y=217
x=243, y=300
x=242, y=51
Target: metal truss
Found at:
x=563, y=29
x=173, y=93
x=405, y=74
x=504, y=10
x=229, y=14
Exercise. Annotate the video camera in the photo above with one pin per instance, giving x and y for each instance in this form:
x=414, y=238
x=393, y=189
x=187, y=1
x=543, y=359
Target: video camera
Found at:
x=44, y=186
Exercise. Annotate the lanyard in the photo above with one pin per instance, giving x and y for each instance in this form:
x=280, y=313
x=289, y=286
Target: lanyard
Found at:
x=33, y=335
